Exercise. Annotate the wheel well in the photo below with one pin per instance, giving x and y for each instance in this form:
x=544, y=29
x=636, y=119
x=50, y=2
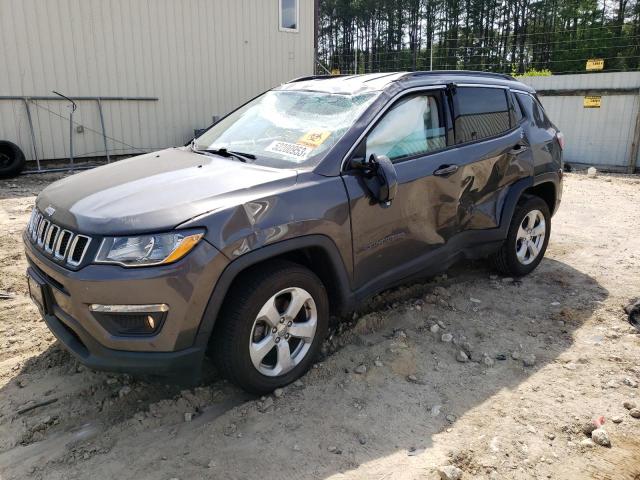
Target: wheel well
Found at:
x=319, y=262
x=546, y=191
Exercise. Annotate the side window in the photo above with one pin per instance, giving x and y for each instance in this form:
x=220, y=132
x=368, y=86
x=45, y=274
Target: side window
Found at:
x=481, y=113
x=289, y=15
x=533, y=110
x=413, y=126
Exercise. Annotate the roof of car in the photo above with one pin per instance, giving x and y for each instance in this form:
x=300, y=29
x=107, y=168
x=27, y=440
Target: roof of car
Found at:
x=371, y=82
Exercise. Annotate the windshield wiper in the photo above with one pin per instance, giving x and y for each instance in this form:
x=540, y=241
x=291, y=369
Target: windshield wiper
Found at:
x=223, y=152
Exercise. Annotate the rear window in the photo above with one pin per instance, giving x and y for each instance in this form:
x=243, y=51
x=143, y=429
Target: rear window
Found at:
x=534, y=110
x=481, y=113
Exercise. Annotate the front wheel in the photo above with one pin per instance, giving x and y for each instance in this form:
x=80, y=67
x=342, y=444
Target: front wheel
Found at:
x=527, y=238
x=271, y=326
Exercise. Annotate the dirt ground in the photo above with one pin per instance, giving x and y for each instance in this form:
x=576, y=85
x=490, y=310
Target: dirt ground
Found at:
x=416, y=408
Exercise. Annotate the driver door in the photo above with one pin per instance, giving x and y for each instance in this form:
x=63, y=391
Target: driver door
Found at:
x=391, y=242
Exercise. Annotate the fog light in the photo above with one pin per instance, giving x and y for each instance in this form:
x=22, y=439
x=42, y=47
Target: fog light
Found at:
x=130, y=319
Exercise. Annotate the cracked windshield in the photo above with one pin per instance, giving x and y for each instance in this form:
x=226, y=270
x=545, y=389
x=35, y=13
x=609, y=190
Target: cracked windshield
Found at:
x=286, y=129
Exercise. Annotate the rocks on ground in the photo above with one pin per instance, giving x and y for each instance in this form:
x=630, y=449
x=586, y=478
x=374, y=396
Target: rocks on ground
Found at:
x=529, y=360
x=360, y=369
x=600, y=437
x=449, y=472
x=462, y=357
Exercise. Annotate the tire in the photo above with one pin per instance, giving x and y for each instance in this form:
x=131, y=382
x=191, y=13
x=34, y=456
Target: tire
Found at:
x=244, y=344
x=12, y=160
x=507, y=260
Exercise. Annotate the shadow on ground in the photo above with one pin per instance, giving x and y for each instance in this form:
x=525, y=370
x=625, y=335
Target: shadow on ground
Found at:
x=105, y=425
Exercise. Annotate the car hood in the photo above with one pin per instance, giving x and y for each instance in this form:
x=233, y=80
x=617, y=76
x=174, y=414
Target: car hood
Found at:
x=156, y=191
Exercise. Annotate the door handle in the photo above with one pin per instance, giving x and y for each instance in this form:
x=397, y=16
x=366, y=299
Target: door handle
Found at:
x=446, y=170
x=518, y=149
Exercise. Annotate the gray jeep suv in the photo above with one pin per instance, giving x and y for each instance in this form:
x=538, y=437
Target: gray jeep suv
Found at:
x=296, y=206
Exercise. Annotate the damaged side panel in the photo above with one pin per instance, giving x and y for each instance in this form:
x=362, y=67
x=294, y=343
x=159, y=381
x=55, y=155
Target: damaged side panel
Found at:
x=313, y=205
x=485, y=182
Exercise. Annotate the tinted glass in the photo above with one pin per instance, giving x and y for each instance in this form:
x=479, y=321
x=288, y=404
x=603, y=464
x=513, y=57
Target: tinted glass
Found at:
x=289, y=11
x=533, y=110
x=517, y=111
x=413, y=126
x=482, y=113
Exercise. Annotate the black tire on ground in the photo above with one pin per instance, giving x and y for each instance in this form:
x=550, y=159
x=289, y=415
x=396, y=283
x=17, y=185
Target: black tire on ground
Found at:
x=505, y=260
x=12, y=159
x=229, y=346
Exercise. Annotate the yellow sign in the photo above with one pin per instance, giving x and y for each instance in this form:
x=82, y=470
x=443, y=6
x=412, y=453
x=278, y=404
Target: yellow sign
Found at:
x=592, y=101
x=595, y=64
x=335, y=71
x=314, y=138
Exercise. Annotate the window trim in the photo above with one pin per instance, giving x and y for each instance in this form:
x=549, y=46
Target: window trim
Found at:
x=383, y=110
x=289, y=30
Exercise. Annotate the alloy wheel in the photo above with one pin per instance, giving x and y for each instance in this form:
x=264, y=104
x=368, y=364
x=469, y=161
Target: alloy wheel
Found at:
x=530, y=237
x=283, y=331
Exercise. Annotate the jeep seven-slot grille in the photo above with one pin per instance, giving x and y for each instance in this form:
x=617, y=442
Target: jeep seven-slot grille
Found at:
x=61, y=244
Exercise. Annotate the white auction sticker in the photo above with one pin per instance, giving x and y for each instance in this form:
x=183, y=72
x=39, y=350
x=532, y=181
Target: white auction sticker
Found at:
x=293, y=150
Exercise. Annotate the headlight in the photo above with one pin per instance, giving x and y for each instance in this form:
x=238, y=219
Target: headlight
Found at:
x=146, y=250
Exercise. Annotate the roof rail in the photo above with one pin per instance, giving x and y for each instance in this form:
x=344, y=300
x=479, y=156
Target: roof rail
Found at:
x=317, y=77
x=504, y=76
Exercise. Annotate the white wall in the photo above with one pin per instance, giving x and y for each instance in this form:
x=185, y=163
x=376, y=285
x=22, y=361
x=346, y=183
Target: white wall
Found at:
x=199, y=57
x=595, y=136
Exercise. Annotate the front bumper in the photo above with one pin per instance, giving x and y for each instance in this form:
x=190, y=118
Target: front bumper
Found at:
x=185, y=286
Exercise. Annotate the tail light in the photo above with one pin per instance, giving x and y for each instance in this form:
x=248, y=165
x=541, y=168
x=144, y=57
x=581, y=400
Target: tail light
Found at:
x=560, y=137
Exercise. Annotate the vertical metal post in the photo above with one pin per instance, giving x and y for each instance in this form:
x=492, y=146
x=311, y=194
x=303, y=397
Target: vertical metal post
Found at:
x=635, y=143
x=33, y=133
x=71, y=138
x=73, y=109
x=104, y=132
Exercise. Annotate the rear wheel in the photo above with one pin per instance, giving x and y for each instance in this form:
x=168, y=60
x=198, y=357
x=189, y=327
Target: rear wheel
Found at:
x=271, y=326
x=12, y=159
x=527, y=238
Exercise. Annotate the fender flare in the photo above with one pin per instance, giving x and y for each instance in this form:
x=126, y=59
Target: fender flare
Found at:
x=511, y=200
x=240, y=264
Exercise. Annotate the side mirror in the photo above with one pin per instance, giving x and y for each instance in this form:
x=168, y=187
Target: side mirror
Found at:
x=387, y=176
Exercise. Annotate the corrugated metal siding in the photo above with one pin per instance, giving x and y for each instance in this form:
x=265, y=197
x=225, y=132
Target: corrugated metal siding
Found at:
x=199, y=57
x=595, y=136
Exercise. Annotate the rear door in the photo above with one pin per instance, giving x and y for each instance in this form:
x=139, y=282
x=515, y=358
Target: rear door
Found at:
x=493, y=151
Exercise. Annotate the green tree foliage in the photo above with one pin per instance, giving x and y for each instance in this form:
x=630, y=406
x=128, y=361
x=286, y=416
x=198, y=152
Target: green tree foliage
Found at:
x=493, y=35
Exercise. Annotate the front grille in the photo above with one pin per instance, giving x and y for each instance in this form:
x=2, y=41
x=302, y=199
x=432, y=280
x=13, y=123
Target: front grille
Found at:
x=63, y=245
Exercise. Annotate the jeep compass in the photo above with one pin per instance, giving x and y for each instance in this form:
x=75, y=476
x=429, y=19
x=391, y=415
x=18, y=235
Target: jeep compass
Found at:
x=296, y=206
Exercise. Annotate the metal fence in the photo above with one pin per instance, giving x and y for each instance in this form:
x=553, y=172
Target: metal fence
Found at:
x=599, y=113
x=30, y=101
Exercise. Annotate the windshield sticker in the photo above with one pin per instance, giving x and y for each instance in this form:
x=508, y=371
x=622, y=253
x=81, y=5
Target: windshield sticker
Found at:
x=314, y=138
x=292, y=150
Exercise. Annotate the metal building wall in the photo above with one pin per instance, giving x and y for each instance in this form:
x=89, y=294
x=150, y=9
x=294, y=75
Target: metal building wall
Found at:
x=595, y=136
x=198, y=57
